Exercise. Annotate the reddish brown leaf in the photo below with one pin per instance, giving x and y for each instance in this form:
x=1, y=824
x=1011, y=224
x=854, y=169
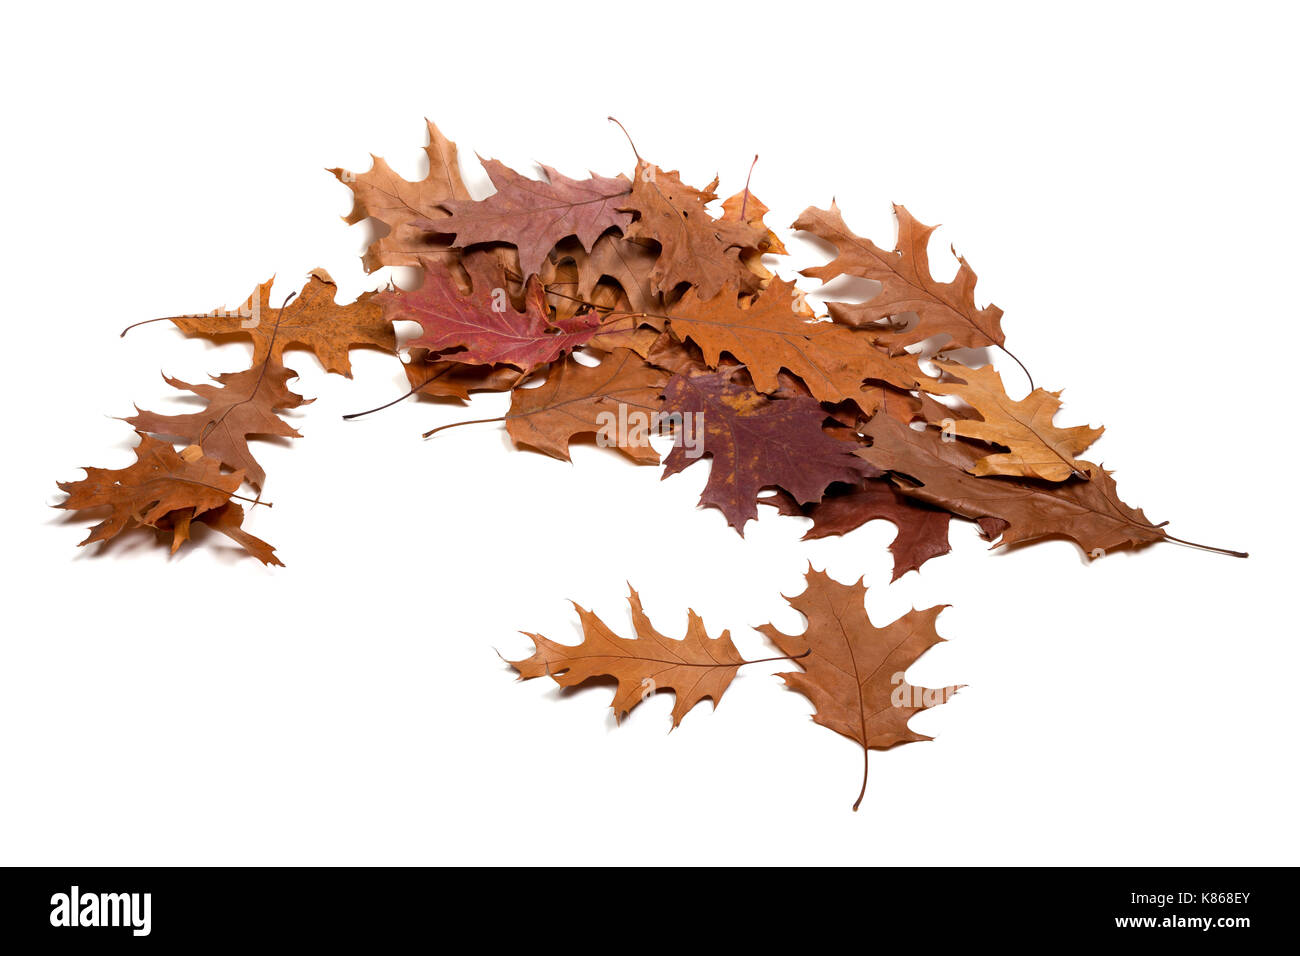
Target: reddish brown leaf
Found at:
x=241, y=405
x=535, y=215
x=922, y=529
x=754, y=442
x=482, y=324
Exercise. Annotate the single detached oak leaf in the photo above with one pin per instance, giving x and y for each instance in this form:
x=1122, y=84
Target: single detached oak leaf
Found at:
x=755, y=442
x=693, y=668
x=854, y=671
x=906, y=284
x=535, y=215
x=240, y=405
x=312, y=320
x=1038, y=448
x=482, y=324
x=936, y=471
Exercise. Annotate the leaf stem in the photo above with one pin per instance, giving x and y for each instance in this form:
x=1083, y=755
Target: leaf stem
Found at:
x=163, y=318
x=629, y=138
x=473, y=421
x=863, y=792
x=1207, y=547
x=1013, y=358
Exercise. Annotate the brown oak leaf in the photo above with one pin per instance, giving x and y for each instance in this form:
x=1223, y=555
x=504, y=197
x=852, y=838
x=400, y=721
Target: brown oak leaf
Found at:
x=166, y=491
x=693, y=668
x=906, y=284
x=927, y=467
x=577, y=399
x=241, y=405
x=754, y=442
x=399, y=205
x=695, y=248
x=313, y=320
x=854, y=671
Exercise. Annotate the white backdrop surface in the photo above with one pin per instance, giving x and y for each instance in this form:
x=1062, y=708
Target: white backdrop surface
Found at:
x=1123, y=180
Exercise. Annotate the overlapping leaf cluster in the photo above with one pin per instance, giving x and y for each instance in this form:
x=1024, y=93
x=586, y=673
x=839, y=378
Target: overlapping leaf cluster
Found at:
x=860, y=414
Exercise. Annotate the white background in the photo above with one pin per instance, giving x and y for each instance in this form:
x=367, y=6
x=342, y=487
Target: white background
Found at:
x=1121, y=176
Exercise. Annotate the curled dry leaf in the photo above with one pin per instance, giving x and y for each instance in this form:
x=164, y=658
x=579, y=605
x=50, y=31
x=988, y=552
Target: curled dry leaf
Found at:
x=693, y=668
x=854, y=671
x=165, y=491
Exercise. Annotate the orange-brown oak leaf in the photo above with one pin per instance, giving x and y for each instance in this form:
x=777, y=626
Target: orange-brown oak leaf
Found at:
x=693, y=668
x=534, y=215
x=769, y=335
x=854, y=671
x=695, y=248
x=906, y=284
x=312, y=320
x=399, y=205
x=1037, y=448
x=754, y=442
x=927, y=467
x=615, y=400
x=160, y=489
x=483, y=325
x=239, y=406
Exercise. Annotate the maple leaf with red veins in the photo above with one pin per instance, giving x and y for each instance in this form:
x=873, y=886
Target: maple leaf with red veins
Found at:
x=483, y=322
x=534, y=215
x=755, y=442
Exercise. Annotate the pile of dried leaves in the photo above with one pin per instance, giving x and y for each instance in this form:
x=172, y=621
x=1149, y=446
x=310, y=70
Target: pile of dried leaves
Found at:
x=842, y=419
